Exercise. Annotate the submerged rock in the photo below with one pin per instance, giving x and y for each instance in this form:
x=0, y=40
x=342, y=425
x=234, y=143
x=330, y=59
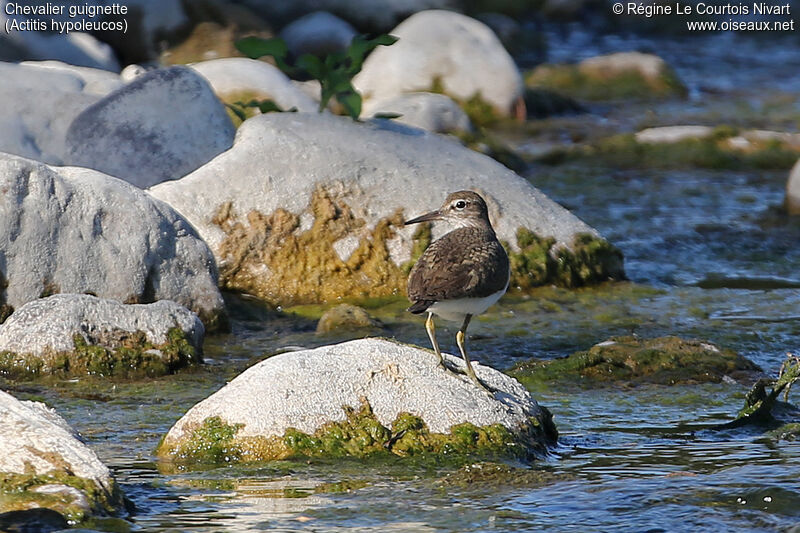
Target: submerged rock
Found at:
x=356, y=399
x=161, y=126
x=75, y=230
x=80, y=334
x=448, y=51
x=428, y=111
x=346, y=317
x=792, y=201
x=667, y=360
x=44, y=465
x=608, y=77
x=312, y=207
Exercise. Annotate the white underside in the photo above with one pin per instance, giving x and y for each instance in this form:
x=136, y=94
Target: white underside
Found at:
x=457, y=310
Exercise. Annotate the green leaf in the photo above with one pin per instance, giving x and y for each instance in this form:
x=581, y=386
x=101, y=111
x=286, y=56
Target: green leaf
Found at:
x=256, y=47
x=360, y=47
x=311, y=64
x=237, y=111
x=351, y=102
x=268, y=106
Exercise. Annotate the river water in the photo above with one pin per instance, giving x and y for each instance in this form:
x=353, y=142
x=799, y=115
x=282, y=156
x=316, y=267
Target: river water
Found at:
x=708, y=255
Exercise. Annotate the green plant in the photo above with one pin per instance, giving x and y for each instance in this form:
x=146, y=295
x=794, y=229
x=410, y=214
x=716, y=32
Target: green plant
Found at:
x=334, y=72
x=239, y=108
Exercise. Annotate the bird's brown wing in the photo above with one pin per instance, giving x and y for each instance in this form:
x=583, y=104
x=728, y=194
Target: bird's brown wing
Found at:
x=462, y=264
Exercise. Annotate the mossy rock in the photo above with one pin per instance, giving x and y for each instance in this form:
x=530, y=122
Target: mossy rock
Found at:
x=665, y=360
x=131, y=356
x=346, y=317
x=361, y=435
x=713, y=151
x=589, y=260
x=787, y=432
x=614, y=77
x=499, y=476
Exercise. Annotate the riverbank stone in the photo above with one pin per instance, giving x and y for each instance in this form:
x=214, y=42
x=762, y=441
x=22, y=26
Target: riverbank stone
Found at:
x=346, y=317
x=76, y=230
x=83, y=334
x=319, y=33
x=160, y=126
x=433, y=112
x=622, y=75
x=312, y=208
x=664, y=360
x=449, y=52
x=45, y=466
x=360, y=398
x=792, y=201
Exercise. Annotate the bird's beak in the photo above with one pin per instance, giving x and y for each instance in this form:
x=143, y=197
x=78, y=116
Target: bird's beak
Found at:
x=433, y=215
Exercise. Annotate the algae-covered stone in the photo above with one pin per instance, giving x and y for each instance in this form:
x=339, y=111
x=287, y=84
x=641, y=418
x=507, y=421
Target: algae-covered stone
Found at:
x=75, y=230
x=457, y=52
x=44, y=465
x=499, y=476
x=79, y=333
x=346, y=317
x=312, y=206
x=614, y=76
x=360, y=398
x=666, y=360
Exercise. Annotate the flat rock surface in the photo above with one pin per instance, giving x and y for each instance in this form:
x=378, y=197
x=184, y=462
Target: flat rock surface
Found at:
x=306, y=389
x=49, y=324
x=76, y=230
x=161, y=126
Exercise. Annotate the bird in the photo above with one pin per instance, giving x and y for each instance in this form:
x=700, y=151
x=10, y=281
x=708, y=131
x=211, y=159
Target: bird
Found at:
x=461, y=274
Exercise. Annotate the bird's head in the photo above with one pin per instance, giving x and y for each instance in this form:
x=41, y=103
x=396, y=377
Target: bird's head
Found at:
x=460, y=209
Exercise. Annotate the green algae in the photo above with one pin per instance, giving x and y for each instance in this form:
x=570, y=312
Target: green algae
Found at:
x=346, y=317
x=578, y=81
x=499, y=476
x=422, y=238
x=665, y=360
x=787, y=432
x=18, y=492
x=712, y=152
x=122, y=355
x=361, y=435
x=759, y=403
x=589, y=260
x=5, y=309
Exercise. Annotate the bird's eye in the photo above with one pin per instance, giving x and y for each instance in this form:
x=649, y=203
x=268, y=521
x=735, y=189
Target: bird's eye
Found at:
x=461, y=204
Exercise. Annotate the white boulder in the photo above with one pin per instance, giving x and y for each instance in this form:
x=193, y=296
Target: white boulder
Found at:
x=161, y=126
x=442, y=47
x=428, y=111
x=792, y=201
x=318, y=33
x=76, y=230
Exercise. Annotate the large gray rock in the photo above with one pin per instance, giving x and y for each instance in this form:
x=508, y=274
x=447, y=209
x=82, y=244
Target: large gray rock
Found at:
x=461, y=54
x=77, y=230
x=308, y=389
x=428, y=111
x=48, y=325
x=318, y=33
x=312, y=205
x=238, y=78
x=40, y=102
x=44, y=456
x=161, y=126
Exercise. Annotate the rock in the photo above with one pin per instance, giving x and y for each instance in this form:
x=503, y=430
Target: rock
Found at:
x=358, y=398
x=44, y=465
x=161, y=126
x=672, y=134
x=318, y=33
x=17, y=43
x=372, y=16
x=428, y=111
x=792, y=201
x=242, y=79
x=448, y=51
x=346, y=317
x=667, y=360
x=47, y=97
x=312, y=206
x=75, y=230
x=622, y=75
x=41, y=337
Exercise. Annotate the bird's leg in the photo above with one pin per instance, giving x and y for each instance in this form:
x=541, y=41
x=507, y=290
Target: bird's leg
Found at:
x=432, y=334
x=460, y=336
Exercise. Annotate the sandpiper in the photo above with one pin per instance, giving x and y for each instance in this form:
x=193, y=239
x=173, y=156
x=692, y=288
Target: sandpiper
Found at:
x=461, y=274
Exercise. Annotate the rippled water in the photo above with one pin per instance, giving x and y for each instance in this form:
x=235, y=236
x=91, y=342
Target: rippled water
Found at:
x=708, y=256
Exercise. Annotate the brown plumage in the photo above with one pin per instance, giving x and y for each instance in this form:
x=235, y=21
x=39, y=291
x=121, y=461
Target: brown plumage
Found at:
x=462, y=273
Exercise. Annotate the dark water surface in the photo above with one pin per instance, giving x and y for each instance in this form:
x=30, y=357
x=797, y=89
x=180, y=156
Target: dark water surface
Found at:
x=709, y=256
